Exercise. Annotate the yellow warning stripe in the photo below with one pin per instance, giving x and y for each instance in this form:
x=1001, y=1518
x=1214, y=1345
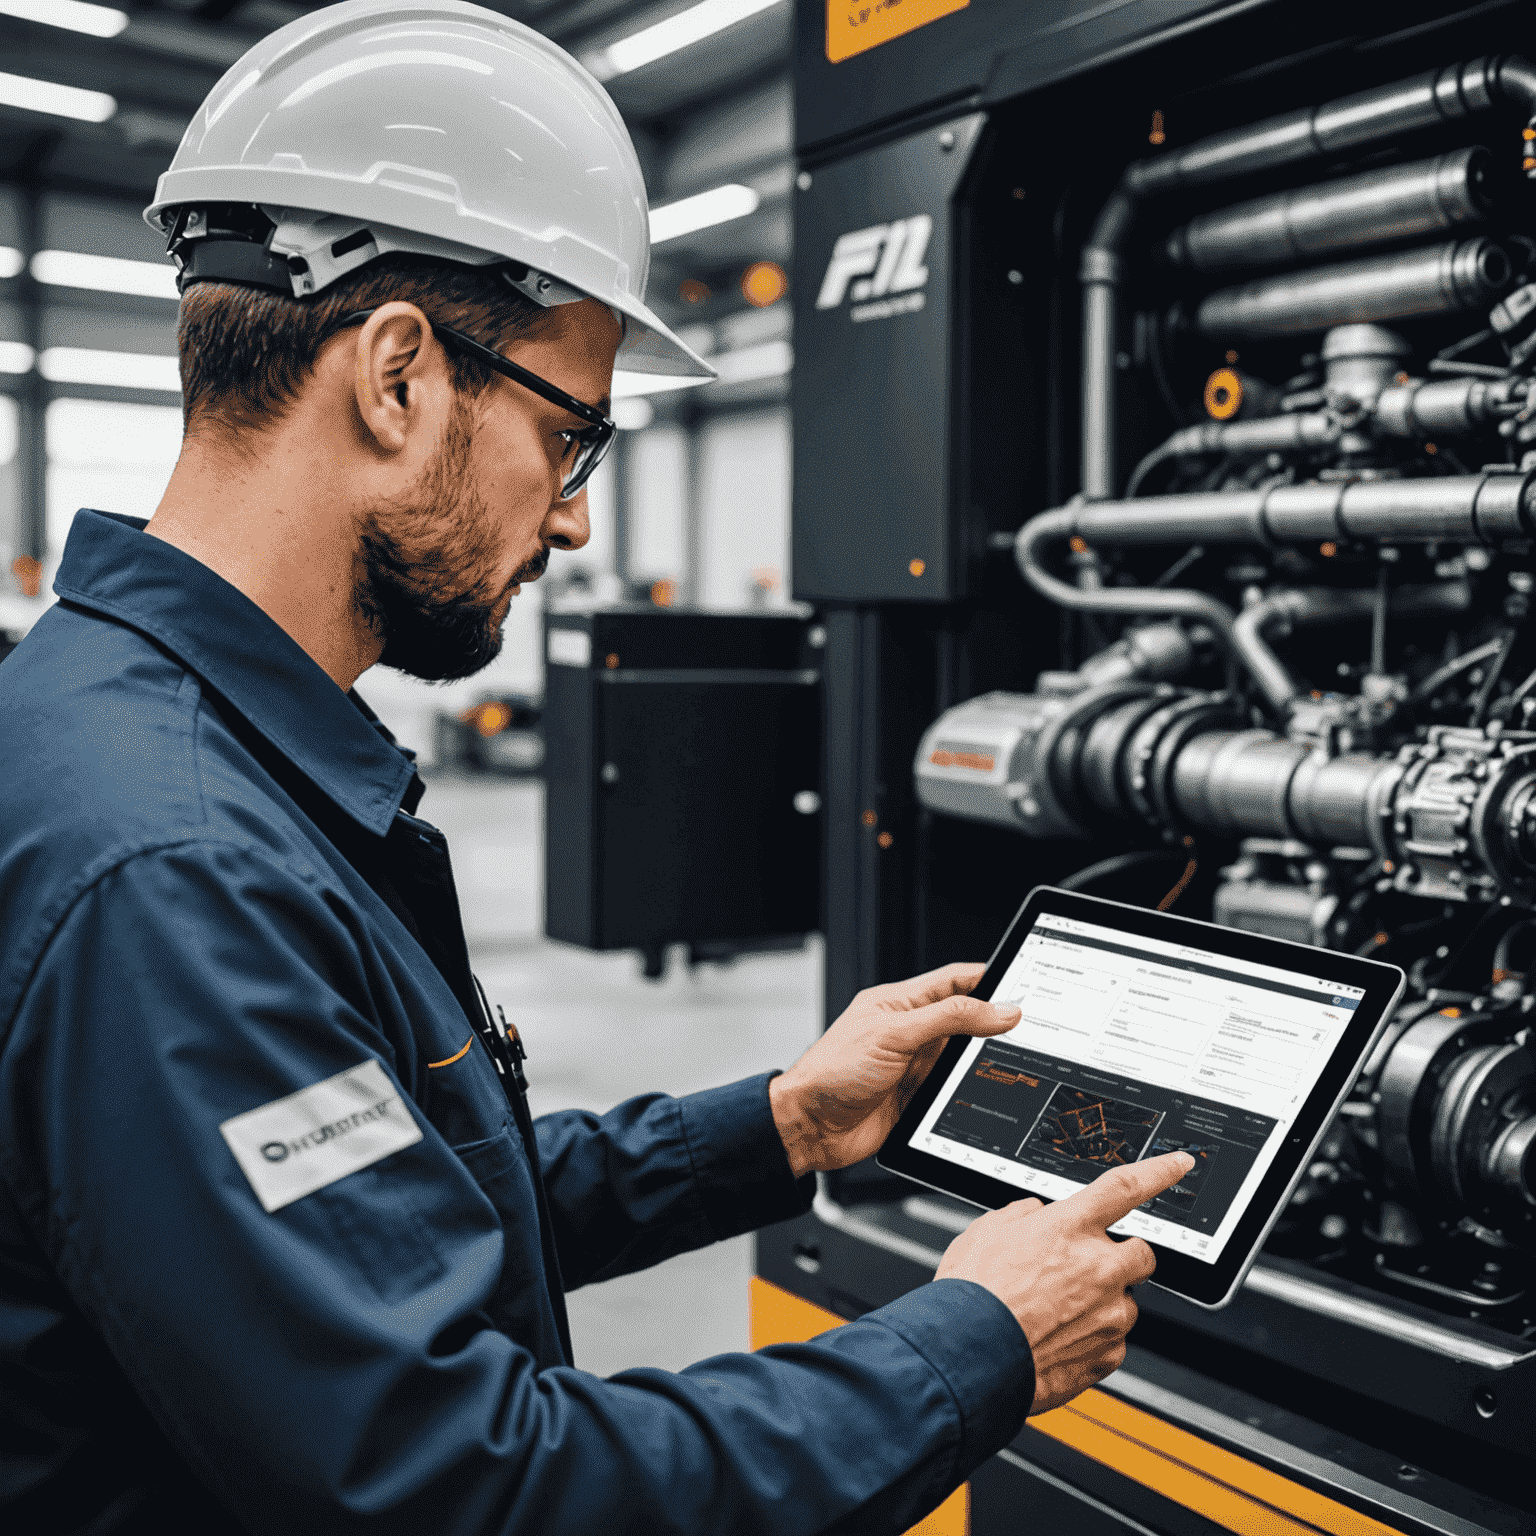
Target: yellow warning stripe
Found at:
x=1224, y=1487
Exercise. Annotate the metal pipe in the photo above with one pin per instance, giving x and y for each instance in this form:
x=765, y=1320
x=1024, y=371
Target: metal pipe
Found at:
x=1476, y=509
x=1443, y=406
x=1349, y=123
x=1401, y=202
x=1434, y=280
x=1297, y=607
x=1296, y=432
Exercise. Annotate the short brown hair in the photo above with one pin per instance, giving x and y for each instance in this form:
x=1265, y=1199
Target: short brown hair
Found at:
x=245, y=352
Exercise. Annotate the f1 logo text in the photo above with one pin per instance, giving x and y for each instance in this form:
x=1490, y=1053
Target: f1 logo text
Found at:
x=885, y=258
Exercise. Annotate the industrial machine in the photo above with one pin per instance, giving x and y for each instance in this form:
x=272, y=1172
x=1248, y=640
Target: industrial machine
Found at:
x=1165, y=478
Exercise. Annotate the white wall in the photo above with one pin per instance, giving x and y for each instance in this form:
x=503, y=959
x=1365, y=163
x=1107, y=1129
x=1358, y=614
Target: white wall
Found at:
x=658, y=492
x=744, y=468
x=107, y=455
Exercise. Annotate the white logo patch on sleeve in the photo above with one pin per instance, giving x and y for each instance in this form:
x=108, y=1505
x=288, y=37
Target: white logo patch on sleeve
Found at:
x=296, y=1145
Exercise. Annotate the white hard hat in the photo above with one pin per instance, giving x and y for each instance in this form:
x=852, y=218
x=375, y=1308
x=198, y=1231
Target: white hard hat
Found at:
x=425, y=126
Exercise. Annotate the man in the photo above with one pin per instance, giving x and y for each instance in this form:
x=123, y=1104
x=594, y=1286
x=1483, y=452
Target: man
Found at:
x=280, y=1247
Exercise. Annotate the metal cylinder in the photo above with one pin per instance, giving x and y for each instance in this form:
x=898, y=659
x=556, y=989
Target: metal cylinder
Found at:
x=1331, y=800
x=1447, y=407
x=1434, y=280
x=1235, y=781
x=1359, y=361
x=1401, y=202
x=1296, y=432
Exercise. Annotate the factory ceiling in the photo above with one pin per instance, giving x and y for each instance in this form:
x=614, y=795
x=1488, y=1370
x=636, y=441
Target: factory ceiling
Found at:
x=712, y=113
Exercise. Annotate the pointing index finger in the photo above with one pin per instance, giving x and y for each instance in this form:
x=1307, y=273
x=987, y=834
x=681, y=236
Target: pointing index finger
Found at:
x=1116, y=1194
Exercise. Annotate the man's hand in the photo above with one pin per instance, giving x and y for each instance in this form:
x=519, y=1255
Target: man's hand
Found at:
x=1064, y=1278
x=839, y=1102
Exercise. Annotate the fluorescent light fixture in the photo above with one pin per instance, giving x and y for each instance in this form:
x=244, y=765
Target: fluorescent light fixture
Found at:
x=10, y=261
x=768, y=360
x=109, y=274
x=717, y=206
x=73, y=15
x=116, y=370
x=56, y=100
x=16, y=357
x=679, y=31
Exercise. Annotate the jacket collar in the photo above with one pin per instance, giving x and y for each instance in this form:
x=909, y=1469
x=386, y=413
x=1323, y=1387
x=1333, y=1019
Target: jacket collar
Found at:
x=112, y=567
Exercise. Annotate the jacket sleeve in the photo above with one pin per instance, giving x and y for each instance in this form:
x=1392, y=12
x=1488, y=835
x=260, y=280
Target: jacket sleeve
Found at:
x=195, y=983
x=657, y=1176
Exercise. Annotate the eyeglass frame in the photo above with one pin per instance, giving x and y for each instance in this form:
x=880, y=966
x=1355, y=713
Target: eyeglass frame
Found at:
x=603, y=425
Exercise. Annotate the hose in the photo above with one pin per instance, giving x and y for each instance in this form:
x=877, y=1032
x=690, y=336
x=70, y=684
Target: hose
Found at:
x=1453, y=669
x=1116, y=865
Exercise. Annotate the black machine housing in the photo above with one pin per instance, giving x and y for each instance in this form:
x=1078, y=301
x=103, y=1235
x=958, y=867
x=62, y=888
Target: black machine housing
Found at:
x=1165, y=479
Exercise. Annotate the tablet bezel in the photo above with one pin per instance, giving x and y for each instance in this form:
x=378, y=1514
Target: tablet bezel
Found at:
x=1207, y=1285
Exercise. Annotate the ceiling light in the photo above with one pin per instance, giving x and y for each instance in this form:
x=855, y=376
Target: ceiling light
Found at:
x=11, y=261
x=56, y=100
x=679, y=31
x=717, y=206
x=16, y=357
x=764, y=283
x=767, y=361
x=74, y=15
x=115, y=370
x=109, y=274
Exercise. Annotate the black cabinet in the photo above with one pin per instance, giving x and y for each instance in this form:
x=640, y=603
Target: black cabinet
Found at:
x=683, y=772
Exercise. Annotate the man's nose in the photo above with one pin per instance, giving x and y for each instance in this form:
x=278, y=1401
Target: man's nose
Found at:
x=567, y=526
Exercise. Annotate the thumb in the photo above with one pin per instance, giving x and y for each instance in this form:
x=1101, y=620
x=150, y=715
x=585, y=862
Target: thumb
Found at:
x=957, y=1015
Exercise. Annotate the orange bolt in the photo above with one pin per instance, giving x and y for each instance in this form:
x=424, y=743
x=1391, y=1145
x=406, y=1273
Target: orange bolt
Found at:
x=611, y=661
x=869, y=818
x=1328, y=550
x=885, y=839
x=917, y=567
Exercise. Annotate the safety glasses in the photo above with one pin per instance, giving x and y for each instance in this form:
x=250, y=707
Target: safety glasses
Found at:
x=585, y=446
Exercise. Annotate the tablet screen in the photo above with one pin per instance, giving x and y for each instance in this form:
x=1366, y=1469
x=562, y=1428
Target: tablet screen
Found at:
x=1130, y=1047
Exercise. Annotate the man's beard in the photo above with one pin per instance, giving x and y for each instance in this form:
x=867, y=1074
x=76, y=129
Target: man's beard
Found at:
x=418, y=587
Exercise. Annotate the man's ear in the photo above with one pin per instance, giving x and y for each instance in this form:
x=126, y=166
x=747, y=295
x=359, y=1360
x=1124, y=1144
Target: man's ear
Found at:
x=401, y=374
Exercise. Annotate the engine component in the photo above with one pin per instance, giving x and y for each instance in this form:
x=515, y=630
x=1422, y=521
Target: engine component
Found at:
x=1277, y=887
x=1455, y=1122
x=1434, y=280
x=1402, y=202
x=1229, y=393
x=991, y=758
x=1351, y=122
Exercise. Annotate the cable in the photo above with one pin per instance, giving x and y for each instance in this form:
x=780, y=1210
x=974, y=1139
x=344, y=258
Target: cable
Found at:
x=1484, y=694
x=1183, y=880
x=1502, y=970
x=1453, y=669
x=1193, y=553
x=1158, y=456
x=1114, y=866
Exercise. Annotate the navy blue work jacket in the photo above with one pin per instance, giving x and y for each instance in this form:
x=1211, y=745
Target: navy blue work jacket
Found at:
x=216, y=904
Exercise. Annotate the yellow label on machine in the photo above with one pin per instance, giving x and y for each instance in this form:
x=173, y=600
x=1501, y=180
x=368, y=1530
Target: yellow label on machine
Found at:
x=1226, y=1488
x=856, y=26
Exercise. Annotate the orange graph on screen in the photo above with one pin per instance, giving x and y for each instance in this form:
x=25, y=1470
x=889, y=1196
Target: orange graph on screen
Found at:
x=1091, y=1129
x=994, y=1072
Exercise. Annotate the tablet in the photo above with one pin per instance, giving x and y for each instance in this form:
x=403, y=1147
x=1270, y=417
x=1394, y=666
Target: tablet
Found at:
x=1146, y=1033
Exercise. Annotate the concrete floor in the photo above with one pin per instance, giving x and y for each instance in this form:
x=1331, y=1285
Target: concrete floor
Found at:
x=597, y=1032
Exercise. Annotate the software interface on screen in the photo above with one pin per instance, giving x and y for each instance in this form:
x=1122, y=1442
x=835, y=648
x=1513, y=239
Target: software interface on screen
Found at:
x=1130, y=1047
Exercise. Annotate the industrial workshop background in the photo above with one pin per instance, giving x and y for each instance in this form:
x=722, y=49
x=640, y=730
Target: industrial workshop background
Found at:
x=693, y=504
x=1153, y=513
